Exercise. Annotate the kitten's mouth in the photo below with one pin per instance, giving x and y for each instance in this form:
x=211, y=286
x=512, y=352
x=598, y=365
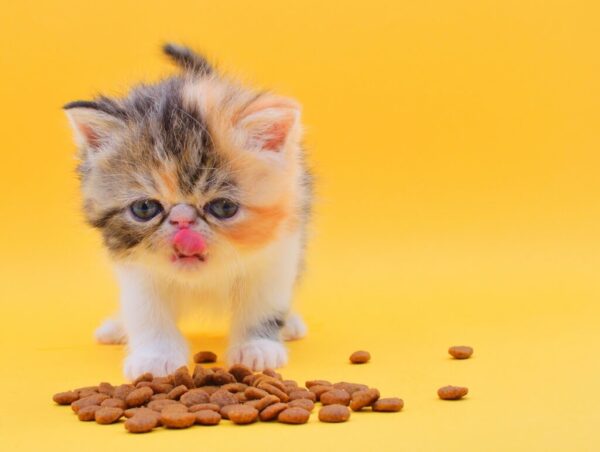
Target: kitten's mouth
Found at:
x=188, y=258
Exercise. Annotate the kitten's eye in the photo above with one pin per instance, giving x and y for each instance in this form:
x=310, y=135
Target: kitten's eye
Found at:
x=222, y=208
x=145, y=209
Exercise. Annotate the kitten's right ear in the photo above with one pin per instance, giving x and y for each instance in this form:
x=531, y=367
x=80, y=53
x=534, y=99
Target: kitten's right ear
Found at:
x=92, y=127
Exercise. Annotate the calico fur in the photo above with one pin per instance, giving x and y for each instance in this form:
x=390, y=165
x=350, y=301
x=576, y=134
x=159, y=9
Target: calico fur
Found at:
x=189, y=140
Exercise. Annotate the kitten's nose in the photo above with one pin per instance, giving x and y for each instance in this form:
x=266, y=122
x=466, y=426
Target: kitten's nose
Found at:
x=182, y=216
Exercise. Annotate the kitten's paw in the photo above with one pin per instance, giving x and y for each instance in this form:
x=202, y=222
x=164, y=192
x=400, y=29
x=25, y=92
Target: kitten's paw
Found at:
x=294, y=328
x=159, y=364
x=111, y=332
x=258, y=354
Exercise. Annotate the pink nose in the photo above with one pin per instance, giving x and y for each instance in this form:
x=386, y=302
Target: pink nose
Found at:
x=188, y=242
x=182, y=216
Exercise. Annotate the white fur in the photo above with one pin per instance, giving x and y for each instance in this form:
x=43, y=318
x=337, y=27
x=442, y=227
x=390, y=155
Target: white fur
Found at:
x=294, y=328
x=255, y=287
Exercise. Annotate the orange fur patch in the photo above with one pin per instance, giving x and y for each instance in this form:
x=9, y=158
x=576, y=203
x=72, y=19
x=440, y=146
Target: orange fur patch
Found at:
x=261, y=226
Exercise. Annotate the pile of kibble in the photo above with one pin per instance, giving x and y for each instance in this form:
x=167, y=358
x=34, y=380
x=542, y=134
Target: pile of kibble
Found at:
x=210, y=394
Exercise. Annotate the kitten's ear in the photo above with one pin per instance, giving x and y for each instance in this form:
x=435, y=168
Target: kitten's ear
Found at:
x=269, y=123
x=92, y=127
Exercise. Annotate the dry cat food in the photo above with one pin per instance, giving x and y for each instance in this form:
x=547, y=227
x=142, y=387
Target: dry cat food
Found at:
x=205, y=357
x=360, y=357
x=460, y=351
x=452, y=392
x=208, y=395
x=334, y=413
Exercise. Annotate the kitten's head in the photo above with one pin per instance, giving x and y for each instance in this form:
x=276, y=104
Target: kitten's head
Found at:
x=190, y=171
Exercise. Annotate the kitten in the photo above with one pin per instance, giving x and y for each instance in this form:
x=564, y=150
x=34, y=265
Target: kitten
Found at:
x=200, y=190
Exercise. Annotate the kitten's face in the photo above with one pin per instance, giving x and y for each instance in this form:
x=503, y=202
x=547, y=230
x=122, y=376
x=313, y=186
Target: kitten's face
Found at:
x=190, y=172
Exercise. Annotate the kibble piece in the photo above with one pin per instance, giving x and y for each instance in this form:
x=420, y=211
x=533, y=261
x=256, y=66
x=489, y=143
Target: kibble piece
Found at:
x=452, y=392
x=160, y=388
x=222, y=377
x=86, y=391
x=241, y=397
x=141, y=423
x=207, y=417
x=271, y=373
x=108, y=415
x=294, y=415
x=202, y=376
x=168, y=379
x=363, y=398
x=122, y=391
x=302, y=394
x=335, y=397
x=271, y=389
x=223, y=397
x=239, y=371
x=177, y=419
x=177, y=392
x=159, y=405
x=175, y=407
x=106, y=388
x=318, y=390
x=388, y=405
x=95, y=399
x=307, y=404
x=194, y=397
x=235, y=387
x=272, y=411
x=461, y=351
x=144, y=377
x=334, y=413
x=360, y=357
x=210, y=390
x=205, y=357
x=143, y=410
x=114, y=403
x=254, y=393
x=224, y=411
x=66, y=398
x=310, y=383
x=242, y=414
x=138, y=397
x=350, y=388
x=182, y=377
x=87, y=413
x=159, y=396
x=204, y=406
x=261, y=404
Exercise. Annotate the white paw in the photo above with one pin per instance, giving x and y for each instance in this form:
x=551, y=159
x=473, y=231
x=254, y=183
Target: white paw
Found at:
x=111, y=332
x=258, y=354
x=158, y=363
x=294, y=328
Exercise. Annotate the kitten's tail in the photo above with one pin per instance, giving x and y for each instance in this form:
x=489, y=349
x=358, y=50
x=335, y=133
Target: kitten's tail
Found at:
x=187, y=59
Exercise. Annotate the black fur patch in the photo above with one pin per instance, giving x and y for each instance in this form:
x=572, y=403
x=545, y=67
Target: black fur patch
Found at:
x=268, y=328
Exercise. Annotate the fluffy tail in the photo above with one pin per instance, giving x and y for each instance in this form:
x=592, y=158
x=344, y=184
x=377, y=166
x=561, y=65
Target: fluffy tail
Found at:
x=187, y=59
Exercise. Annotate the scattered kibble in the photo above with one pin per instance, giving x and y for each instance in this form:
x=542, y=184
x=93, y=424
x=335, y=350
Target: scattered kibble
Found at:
x=360, y=357
x=452, y=392
x=334, y=413
x=460, y=351
x=208, y=395
x=205, y=357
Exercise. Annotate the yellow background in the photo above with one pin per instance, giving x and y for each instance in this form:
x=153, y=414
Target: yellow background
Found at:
x=456, y=146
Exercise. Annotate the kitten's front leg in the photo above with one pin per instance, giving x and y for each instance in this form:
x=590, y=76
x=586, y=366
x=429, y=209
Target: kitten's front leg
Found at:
x=262, y=304
x=154, y=343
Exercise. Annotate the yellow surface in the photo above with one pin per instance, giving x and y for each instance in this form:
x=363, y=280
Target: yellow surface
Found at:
x=456, y=145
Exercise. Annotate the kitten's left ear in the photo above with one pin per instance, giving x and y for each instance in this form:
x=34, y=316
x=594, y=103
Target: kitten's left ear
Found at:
x=269, y=123
x=92, y=126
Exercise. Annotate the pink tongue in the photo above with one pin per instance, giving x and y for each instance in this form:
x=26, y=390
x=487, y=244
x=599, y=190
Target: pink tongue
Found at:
x=188, y=242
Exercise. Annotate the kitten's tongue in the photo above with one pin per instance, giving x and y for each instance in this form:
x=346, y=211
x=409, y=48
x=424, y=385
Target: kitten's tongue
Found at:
x=188, y=242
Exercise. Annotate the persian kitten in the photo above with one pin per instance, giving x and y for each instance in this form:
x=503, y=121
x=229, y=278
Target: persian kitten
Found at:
x=201, y=193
